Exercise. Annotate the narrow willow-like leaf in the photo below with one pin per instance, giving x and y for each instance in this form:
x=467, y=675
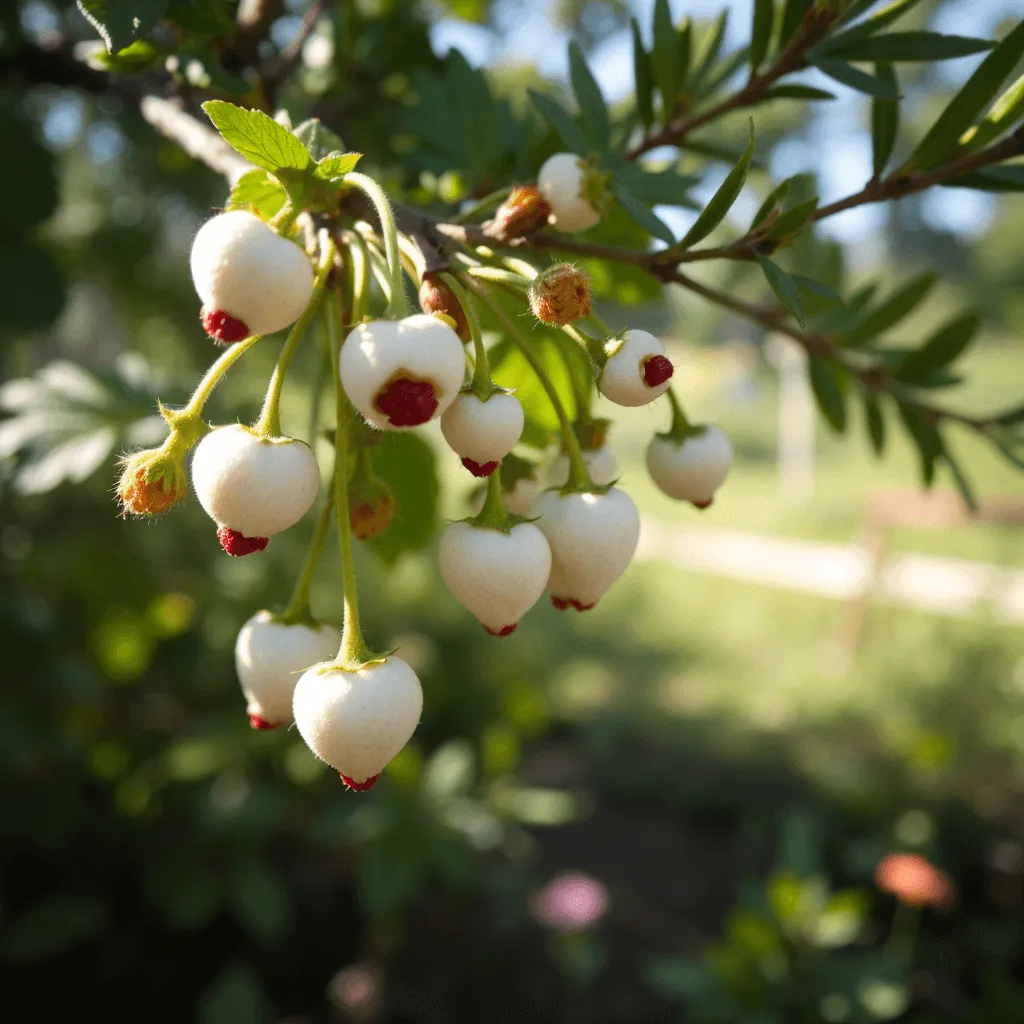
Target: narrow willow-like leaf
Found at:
x=794, y=219
x=875, y=23
x=593, y=111
x=665, y=57
x=797, y=92
x=711, y=47
x=894, y=309
x=819, y=288
x=772, y=201
x=948, y=343
x=761, y=33
x=910, y=46
x=1005, y=113
x=784, y=287
x=643, y=78
x=875, y=422
x=792, y=16
x=853, y=77
x=721, y=202
x=561, y=120
x=963, y=485
x=926, y=439
x=644, y=217
x=992, y=179
x=685, y=46
x=885, y=121
x=827, y=385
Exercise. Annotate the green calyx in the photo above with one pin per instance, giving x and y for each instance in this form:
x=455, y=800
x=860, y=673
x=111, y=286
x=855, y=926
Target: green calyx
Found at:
x=595, y=184
x=494, y=515
x=680, y=429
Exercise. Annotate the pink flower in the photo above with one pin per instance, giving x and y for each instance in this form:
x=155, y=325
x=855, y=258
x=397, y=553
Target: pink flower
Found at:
x=570, y=902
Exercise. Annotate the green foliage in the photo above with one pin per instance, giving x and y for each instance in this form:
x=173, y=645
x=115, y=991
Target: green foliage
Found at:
x=406, y=464
x=121, y=22
x=721, y=202
x=259, y=138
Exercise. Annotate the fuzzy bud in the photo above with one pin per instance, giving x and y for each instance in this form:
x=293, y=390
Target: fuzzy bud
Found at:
x=371, y=508
x=151, y=482
x=560, y=295
x=436, y=297
x=523, y=211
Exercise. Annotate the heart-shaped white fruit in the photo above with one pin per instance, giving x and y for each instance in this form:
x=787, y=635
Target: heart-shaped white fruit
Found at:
x=498, y=576
x=270, y=656
x=358, y=720
x=691, y=469
x=482, y=433
x=592, y=538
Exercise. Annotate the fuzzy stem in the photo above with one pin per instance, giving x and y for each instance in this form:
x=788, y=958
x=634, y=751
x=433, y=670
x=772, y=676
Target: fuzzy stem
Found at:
x=298, y=606
x=579, y=478
x=481, y=382
x=285, y=218
x=399, y=305
x=361, y=272
x=592, y=346
x=508, y=277
x=269, y=422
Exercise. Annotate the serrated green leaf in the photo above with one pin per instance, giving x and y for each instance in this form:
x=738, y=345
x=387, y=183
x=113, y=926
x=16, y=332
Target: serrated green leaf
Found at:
x=644, y=216
x=593, y=111
x=761, y=32
x=258, y=189
x=643, y=78
x=875, y=423
x=331, y=168
x=992, y=179
x=856, y=79
x=121, y=22
x=258, y=137
x=792, y=17
x=794, y=219
x=947, y=344
x=942, y=139
x=797, y=92
x=319, y=140
x=783, y=286
x=926, y=439
x=894, y=309
x=1005, y=113
x=909, y=47
x=885, y=120
x=561, y=120
x=665, y=57
x=721, y=202
x=827, y=385
x=772, y=201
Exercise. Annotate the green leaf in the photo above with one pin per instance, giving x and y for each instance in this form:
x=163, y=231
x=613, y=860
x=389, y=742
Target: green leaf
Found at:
x=132, y=60
x=406, y=463
x=593, y=111
x=657, y=187
x=885, y=120
x=761, y=33
x=643, y=216
x=992, y=179
x=875, y=23
x=721, y=202
x=797, y=92
x=947, y=344
x=665, y=58
x=772, y=201
x=55, y=924
x=943, y=137
x=875, y=423
x=203, y=17
x=909, y=46
x=819, y=288
x=856, y=79
x=1005, y=113
x=259, y=138
x=790, y=222
x=561, y=120
x=827, y=385
x=963, y=485
x=121, y=22
x=643, y=78
x=318, y=139
x=711, y=47
x=783, y=286
x=895, y=308
x=260, y=190
x=926, y=439
x=260, y=898
x=792, y=17
x=234, y=998
x=685, y=46
x=723, y=71
x=331, y=168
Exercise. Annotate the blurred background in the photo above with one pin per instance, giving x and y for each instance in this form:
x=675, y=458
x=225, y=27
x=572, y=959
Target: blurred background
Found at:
x=776, y=775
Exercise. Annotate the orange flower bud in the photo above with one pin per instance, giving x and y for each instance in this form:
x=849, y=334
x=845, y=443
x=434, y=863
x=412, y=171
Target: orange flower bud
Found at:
x=436, y=297
x=151, y=482
x=560, y=295
x=523, y=211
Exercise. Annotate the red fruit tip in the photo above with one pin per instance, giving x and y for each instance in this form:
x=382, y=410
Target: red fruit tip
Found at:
x=259, y=722
x=702, y=504
x=406, y=402
x=359, y=787
x=565, y=603
x=222, y=327
x=480, y=468
x=504, y=631
x=236, y=545
x=657, y=370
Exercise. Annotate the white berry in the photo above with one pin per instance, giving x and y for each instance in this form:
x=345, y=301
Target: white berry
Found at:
x=483, y=432
x=637, y=371
x=691, y=469
x=270, y=656
x=244, y=269
x=358, y=720
x=497, y=576
x=600, y=462
x=401, y=373
x=561, y=180
x=592, y=538
x=252, y=485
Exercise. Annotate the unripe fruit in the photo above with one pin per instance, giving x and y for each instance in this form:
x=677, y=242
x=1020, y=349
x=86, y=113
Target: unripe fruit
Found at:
x=402, y=373
x=253, y=487
x=563, y=180
x=523, y=211
x=270, y=656
x=436, y=297
x=250, y=279
x=151, y=482
x=483, y=433
x=497, y=576
x=560, y=295
x=691, y=469
x=600, y=462
x=371, y=508
x=637, y=371
x=358, y=720
x=592, y=538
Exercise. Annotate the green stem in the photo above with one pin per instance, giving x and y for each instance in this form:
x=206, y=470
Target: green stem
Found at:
x=285, y=218
x=269, y=422
x=592, y=346
x=508, y=277
x=493, y=515
x=399, y=305
x=680, y=427
x=579, y=477
x=298, y=607
x=481, y=382
x=354, y=653
x=580, y=395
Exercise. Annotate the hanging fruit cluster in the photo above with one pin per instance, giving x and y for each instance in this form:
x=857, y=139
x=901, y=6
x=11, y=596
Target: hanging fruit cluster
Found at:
x=394, y=370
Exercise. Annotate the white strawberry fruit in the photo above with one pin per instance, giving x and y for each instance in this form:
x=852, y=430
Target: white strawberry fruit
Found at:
x=498, y=576
x=357, y=720
x=402, y=373
x=693, y=468
x=637, y=370
x=592, y=537
x=250, y=279
x=253, y=487
x=482, y=432
x=270, y=656
x=562, y=181
x=600, y=463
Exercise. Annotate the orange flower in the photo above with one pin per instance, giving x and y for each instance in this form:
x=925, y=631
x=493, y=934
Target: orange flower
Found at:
x=914, y=881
